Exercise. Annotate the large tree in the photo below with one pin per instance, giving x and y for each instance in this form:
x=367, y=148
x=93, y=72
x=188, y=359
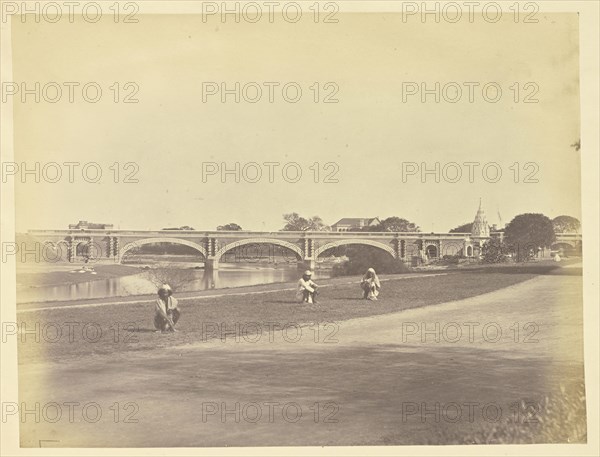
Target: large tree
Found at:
x=566, y=224
x=296, y=223
x=231, y=226
x=397, y=224
x=528, y=232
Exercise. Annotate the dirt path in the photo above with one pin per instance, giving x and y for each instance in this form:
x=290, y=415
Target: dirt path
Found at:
x=518, y=319
x=358, y=390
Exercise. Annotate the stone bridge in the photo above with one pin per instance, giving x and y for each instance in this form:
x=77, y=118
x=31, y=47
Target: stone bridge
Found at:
x=304, y=247
x=572, y=240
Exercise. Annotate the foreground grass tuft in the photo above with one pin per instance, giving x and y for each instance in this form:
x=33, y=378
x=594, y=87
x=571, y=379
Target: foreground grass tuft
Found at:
x=556, y=418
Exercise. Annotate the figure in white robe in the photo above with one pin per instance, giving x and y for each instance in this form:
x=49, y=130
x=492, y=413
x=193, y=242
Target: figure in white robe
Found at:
x=370, y=285
x=307, y=288
x=166, y=310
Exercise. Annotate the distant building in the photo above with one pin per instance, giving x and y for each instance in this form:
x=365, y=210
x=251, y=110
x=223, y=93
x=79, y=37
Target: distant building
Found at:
x=85, y=225
x=348, y=223
x=480, y=228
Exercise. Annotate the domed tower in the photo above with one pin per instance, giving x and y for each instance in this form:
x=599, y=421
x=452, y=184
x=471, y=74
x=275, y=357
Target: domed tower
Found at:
x=480, y=228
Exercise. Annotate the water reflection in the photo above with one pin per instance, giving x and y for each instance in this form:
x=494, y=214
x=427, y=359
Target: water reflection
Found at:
x=229, y=275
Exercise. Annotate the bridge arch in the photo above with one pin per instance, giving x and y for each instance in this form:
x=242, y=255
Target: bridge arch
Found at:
x=431, y=250
x=61, y=247
x=54, y=244
x=562, y=243
x=137, y=243
x=335, y=244
x=293, y=247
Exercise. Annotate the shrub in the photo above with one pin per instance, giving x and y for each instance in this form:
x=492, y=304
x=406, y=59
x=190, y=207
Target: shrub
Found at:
x=556, y=418
x=177, y=278
x=494, y=251
x=451, y=259
x=361, y=258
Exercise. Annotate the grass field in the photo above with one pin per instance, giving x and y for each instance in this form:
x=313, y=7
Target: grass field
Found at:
x=129, y=327
x=354, y=391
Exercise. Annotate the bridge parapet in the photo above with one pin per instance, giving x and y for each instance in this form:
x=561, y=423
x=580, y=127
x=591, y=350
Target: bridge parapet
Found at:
x=306, y=246
x=213, y=245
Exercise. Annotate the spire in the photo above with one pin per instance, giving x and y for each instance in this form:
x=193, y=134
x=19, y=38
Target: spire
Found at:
x=480, y=225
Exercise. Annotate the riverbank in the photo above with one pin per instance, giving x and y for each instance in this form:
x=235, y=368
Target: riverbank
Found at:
x=349, y=383
x=37, y=275
x=64, y=273
x=126, y=325
x=33, y=278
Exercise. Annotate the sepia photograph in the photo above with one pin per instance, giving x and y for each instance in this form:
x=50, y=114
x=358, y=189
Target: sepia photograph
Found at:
x=299, y=228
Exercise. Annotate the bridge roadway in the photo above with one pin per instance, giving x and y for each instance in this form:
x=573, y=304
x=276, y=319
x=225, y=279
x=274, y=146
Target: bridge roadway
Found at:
x=306, y=246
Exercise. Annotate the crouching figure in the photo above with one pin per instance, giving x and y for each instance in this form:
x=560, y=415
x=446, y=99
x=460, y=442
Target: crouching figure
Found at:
x=167, y=312
x=370, y=285
x=307, y=289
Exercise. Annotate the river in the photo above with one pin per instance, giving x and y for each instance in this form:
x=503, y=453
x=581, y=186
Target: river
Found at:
x=229, y=275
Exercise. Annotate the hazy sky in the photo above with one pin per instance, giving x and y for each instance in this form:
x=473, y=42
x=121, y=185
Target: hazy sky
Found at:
x=368, y=134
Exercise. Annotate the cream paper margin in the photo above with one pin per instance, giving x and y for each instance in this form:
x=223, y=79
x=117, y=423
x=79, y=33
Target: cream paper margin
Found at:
x=589, y=99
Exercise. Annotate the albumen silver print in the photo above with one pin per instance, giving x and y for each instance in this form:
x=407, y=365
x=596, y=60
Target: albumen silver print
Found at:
x=299, y=227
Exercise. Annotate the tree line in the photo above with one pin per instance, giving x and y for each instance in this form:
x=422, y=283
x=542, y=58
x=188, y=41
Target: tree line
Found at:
x=296, y=223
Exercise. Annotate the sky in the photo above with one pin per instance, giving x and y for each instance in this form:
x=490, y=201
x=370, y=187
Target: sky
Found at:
x=363, y=142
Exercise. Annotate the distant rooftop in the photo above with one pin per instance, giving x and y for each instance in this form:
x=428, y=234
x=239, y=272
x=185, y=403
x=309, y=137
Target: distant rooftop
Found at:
x=356, y=221
x=343, y=225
